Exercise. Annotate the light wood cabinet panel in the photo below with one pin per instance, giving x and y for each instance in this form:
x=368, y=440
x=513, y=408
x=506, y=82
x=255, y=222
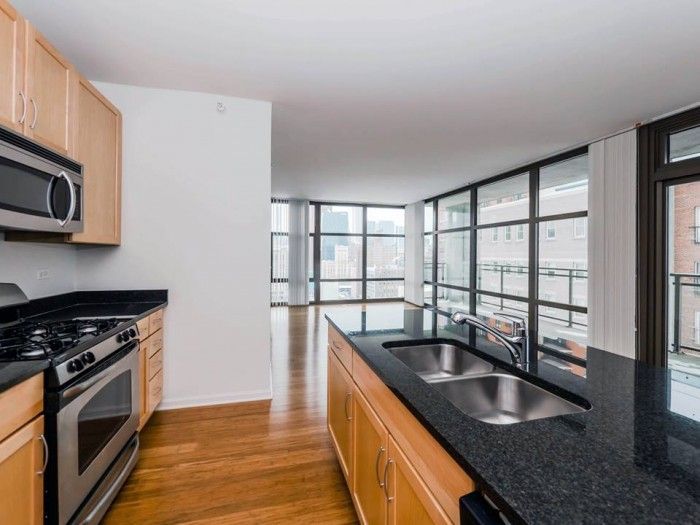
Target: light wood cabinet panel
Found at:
x=410, y=500
x=341, y=348
x=370, y=443
x=156, y=340
x=143, y=326
x=446, y=479
x=13, y=96
x=98, y=147
x=156, y=321
x=49, y=77
x=20, y=404
x=21, y=475
x=340, y=413
x=155, y=391
x=143, y=385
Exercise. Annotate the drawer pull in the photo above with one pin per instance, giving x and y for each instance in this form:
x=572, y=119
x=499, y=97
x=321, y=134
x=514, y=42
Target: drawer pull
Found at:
x=46, y=454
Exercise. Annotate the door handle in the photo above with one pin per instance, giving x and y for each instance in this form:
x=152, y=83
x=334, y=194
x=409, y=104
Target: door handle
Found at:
x=376, y=465
x=36, y=113
x=385, y=484
x=24, y=107
x=73, y=198
x=46, y=454
x=348, y=416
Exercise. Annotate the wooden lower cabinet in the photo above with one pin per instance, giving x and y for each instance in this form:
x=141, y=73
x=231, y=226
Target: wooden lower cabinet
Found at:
x=409, y=499
x=151, y=354
x=371, y=441
x=340, y=412
x=397, y=473
x=22, y=475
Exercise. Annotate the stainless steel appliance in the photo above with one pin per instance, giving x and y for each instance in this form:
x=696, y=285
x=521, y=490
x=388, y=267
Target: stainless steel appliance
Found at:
x=91, y=408
x=39, y=189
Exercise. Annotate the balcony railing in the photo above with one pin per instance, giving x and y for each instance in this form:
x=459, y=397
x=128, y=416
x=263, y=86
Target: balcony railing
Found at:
x=503, y=271
x=680, y=282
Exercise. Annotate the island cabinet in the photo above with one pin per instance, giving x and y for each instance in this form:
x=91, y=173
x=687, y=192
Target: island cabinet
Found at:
x=22, y=453
x=150, y=364
x=396, y=471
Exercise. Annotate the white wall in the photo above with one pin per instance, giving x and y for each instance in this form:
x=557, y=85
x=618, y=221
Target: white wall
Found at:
x=413, y=278
x=196, y=220
x=21, y=261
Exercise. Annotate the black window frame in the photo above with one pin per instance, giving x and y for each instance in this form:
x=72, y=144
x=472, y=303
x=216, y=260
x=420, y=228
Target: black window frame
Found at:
x=315, y=238
x=532, y=223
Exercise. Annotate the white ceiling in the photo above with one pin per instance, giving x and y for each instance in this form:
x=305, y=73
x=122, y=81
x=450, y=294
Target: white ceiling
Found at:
x=397, y=100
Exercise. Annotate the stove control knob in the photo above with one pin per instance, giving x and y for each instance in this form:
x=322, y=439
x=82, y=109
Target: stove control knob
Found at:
x=132, y=332
x=125, y=336
x=75, y=365
x=119, y=338
x=88, y=358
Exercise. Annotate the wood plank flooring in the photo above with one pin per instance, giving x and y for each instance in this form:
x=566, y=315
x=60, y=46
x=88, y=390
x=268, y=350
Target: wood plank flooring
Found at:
x=247, y=463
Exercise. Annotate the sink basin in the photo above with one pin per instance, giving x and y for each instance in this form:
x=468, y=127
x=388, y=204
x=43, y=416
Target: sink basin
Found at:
x=435, y=362
x=503, y=399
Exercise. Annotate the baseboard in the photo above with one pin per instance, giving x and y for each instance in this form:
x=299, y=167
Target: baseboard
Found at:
x=218, y=399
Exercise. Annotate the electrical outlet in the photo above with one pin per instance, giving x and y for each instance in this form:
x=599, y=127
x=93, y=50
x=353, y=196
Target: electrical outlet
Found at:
x=43, y=274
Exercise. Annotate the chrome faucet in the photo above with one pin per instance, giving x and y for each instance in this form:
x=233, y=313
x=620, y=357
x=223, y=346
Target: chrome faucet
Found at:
x=516, y=342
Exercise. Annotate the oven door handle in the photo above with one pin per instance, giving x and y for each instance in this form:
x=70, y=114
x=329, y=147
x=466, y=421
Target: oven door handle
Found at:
x=86, y=385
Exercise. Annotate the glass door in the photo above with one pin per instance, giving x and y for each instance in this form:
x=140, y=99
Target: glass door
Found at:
x=683, y=277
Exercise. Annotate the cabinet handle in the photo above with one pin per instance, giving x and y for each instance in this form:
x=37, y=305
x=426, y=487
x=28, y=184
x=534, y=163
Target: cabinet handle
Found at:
x=348, y=396
x=36, y=113
x=46, y=455
x=336, y=346
x=24, y=107
x=386, y=473
x=380, y=451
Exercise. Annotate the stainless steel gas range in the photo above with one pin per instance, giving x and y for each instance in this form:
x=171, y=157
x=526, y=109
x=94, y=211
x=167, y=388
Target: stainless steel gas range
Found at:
x=91, y=407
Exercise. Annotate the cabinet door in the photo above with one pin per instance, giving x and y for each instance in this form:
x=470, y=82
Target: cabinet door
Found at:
x=143, y=383
x=410, y=500
x=97, y=145
x=340, y=413
x=370, y=455
x=49, y=77
x=13, y=98
x=21, y=475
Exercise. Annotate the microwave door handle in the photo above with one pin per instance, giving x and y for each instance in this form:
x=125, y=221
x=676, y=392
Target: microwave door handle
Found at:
x=73, y=198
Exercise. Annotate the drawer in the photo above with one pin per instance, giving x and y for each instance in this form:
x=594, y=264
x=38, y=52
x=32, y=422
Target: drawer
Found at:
x=145, y=346
x=156, y=342
x=143, y=326
x=20, y=404
x=155, y=364
x=155, y=390
x=156, y=321
x=341, y=348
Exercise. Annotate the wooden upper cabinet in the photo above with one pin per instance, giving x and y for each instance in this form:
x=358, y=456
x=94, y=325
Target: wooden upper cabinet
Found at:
x=13, y=97
x=97, y=146
x=49, y=77
x=22, y=462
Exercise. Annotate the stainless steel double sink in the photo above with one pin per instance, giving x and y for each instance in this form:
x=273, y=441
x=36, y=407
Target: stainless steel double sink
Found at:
x=480, y=389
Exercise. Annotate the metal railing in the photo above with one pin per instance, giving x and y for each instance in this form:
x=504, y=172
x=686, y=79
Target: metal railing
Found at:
x=571, y=275
x=679, y=281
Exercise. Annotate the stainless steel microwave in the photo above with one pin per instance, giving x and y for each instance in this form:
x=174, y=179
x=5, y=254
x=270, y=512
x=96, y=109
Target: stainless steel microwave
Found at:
x=40, y=190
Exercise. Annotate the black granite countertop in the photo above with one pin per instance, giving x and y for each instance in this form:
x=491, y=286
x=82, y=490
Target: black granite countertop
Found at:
x=629, y=459
x=121, y=303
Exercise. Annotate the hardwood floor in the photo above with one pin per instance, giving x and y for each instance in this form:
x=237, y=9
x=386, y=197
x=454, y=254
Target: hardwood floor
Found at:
x=258, y=462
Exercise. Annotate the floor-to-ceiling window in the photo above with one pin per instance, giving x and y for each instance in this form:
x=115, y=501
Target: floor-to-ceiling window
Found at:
x=356, y=253
x=517, y=243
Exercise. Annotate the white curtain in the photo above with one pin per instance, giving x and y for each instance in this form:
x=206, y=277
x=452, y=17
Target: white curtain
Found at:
x=612, y=198
x=298, y=252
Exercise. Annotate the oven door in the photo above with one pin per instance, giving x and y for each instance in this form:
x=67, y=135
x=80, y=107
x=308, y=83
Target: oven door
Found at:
x=98, y=416
x=37, y=194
